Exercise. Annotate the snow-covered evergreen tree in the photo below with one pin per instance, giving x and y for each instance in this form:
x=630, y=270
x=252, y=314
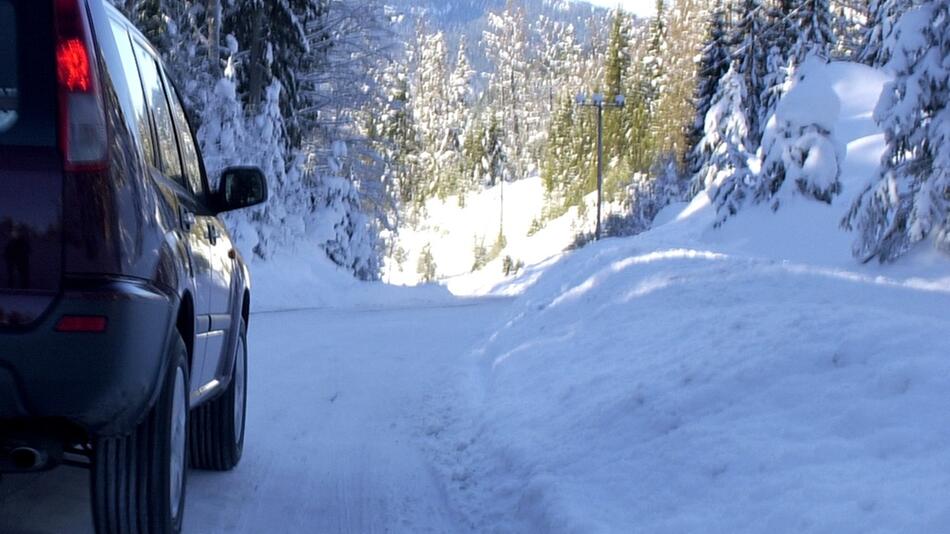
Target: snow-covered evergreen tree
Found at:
x=816, y=37
x=910, y=200
x=430, y=93
x=726, y=176
x=655, y=68
x=277, y=224
x=850, y=21
x=276, y=36
x=751, y=49
x=882, y=16
x=800, y=154
x=712, y=67
x=222, y=134
x=783, y=33
x=349, y=237
x=647, y=195
x=506, y=45
x=459, y=117
x=616, y=66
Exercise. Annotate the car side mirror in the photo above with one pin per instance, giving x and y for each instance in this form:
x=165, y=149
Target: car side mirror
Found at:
x=241, y=187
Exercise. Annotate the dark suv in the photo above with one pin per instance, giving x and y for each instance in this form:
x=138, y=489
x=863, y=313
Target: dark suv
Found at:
x=123, y=303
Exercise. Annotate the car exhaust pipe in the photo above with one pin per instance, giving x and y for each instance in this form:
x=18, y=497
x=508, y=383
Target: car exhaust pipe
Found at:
x=28, y=458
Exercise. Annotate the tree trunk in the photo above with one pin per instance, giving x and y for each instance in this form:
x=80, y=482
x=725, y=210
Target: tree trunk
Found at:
x=256, y=79
x=214, y=37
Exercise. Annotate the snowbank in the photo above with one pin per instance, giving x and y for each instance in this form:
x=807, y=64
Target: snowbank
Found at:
x=751, y=378
x=307, y=279
x=685, y=390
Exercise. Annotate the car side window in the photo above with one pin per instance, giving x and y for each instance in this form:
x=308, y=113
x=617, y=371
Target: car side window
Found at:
x=189, y=152
x=161, y=113
x=131, y=72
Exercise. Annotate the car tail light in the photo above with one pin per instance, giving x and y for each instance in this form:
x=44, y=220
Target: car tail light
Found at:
x=83, y=137
x=91, y=324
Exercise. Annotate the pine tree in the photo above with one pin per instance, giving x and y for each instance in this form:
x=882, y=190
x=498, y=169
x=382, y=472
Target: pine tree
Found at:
x=726, y=176
x=506, y=43
x=617, y=61
x=559, y=167
x=389, y=123
x=430, y=94
x=615, y=72
x=654, y=63
x=882, y=15
x=458, y=120
x=782, y=18
x=675, y=110
x=222, y=133
x=910, y=200
x=815, y=30
x=712, y=67
x=349, y=239
x=643, y=86
x=802, y=29
x=426, y=266
x=751, y=49
x=276, y=34
x=850, y=20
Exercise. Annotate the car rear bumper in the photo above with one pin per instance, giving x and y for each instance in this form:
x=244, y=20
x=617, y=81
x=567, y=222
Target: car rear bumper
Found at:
x=102, y=382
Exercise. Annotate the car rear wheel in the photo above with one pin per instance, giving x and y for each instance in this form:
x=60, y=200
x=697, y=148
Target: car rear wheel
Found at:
x=138, y=480
x=217, y=428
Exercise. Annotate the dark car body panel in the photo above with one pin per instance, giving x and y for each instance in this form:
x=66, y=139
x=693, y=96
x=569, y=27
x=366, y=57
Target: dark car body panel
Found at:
x=114, y=245
x=101, y=382
x=31, y=183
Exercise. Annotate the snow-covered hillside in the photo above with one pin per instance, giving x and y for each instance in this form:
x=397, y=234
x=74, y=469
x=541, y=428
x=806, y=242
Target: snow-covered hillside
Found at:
x=751, y=378
x=455, y=229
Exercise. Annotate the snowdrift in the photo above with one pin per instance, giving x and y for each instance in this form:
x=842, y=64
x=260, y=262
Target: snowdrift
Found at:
x=751, y=378
x=306, y=279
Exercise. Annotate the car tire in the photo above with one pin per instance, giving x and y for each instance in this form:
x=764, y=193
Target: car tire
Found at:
x=138, y=480
x=217, y=428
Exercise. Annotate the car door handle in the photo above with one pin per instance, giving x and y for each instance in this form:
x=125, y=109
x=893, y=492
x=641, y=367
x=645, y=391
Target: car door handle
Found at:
x=187, y=219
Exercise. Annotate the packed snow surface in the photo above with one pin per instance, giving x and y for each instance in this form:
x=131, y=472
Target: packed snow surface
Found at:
x=337, y=402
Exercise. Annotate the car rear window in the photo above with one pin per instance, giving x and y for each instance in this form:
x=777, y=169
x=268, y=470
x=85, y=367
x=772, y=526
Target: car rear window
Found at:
x=27, y=74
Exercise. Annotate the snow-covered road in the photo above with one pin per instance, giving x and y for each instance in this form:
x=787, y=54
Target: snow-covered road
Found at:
x=338, y=402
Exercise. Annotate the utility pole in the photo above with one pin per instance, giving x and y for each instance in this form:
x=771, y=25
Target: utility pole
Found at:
x=597, y=101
